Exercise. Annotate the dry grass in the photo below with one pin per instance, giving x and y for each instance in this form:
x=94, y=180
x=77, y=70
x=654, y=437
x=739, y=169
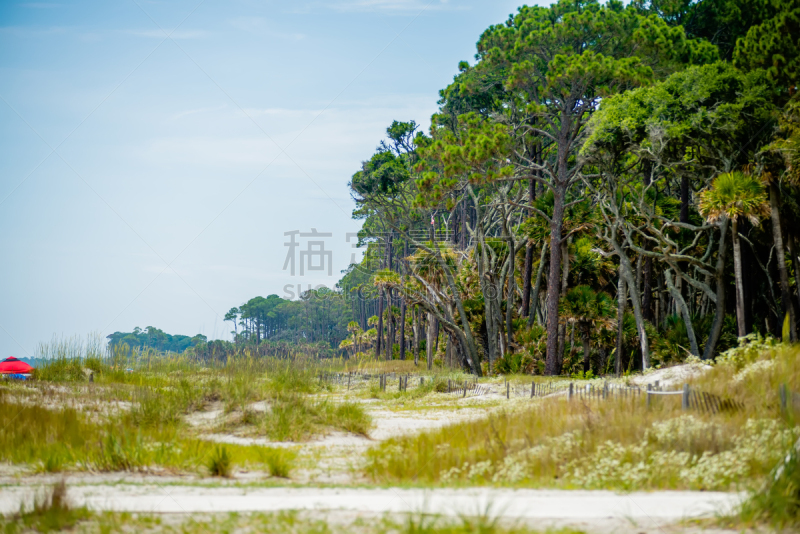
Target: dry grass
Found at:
x=617, y=443
x=134, y=419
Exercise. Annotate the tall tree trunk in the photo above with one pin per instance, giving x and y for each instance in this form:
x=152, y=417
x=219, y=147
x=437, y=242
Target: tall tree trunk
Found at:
x=554, y=280
x=392, y=330
x=622, y=300
x=737, y=269
x=562, y=329
x=526, y=280
x=786, y=299
x=403, y=329
x=416, y=320
x=647, y=288
x=586, y=347
x=796, y=262
x=635, y=296
x=538, y=286
x=463, y=236
x=684, y=199
x=526, y=277
x=687, y=318
x=436, y=331
x=719, y=275
x=511, y=294
x=429, y=341
x=448, y=353
x=379, y=344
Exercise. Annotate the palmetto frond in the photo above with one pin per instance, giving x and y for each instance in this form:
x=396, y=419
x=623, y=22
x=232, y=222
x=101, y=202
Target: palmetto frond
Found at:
x=584, y=305
x=735, y=195
x=386, y=279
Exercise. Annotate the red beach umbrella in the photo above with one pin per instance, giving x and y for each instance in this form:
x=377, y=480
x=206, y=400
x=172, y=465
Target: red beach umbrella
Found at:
x=12, y=365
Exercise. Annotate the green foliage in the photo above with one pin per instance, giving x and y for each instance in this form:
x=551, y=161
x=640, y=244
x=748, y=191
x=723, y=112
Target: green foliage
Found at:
x=735, y=195
x=714, y=109
x=152, y=337
x=384, y=173
x=778, y=503
x=584, y=305
x=750, y=349
x=279, y=460
x=513, y=363
x=293, y=417
x=774, y=45
x=219, y=463
x=317, y=319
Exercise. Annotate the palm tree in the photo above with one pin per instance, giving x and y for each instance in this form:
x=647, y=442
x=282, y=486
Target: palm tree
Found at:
x=735, y=195
x=587, y=308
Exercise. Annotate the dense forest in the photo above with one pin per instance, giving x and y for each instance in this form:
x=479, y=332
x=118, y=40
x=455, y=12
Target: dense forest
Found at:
x=604, y=188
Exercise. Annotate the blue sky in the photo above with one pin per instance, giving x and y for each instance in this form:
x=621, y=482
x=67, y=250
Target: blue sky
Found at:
x=152, y=154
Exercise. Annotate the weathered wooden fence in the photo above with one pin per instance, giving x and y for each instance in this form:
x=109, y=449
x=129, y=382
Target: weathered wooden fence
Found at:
x=691, y=398
x=360, y=380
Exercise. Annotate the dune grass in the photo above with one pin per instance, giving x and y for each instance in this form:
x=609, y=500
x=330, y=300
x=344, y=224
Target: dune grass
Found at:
x=618, y=443
x=59, y=439
x=295, y=417
x=134, y=418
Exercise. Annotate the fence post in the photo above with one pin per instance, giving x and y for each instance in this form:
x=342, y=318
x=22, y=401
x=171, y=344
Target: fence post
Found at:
x=685, y=397
x=533, y=388
x=649, y=388
x=784, y=398
x=570, y=391
x=508, y=390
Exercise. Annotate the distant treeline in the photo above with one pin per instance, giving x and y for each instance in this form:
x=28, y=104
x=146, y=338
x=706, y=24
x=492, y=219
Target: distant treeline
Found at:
x=272, y=326
x=319, y=316
x=152, y=337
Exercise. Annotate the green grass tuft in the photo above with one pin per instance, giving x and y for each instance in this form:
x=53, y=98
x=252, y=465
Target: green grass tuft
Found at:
x=279, y=460
x=219, y=464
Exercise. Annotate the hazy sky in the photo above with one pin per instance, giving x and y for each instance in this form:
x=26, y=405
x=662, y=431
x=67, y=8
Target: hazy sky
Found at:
x=152, y=154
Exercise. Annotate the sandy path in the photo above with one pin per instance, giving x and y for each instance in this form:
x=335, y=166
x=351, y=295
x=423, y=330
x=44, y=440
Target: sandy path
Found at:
x=603, y=510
